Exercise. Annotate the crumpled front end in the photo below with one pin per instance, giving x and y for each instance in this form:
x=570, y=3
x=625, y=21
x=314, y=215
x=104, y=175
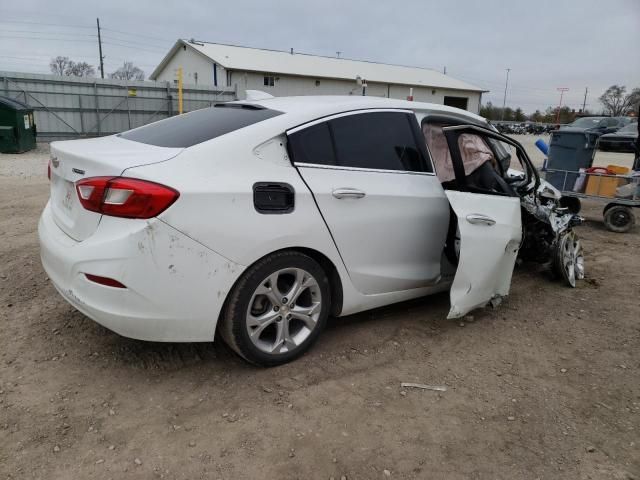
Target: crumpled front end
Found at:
x=548, y=233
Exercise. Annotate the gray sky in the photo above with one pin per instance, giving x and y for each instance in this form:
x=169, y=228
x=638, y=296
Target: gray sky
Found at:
x=546, y=43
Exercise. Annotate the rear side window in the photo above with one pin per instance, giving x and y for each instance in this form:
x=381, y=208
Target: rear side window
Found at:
x=199, y=126
x=313, y=145
x=378, y=140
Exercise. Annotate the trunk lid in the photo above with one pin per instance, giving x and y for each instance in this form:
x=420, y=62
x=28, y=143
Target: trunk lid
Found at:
x=77, y=159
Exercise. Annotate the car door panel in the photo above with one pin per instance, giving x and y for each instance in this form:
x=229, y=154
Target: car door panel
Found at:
x=490, y=229
x=389, y=227
x=375, y=189
x=490, y=234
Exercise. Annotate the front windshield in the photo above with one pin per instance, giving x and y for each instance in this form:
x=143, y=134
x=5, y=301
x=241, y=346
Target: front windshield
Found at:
x=587, y=122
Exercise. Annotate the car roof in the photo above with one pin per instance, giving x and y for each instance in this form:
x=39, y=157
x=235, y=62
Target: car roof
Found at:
x=313, y=107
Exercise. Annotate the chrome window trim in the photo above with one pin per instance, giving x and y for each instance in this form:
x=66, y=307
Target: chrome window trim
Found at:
x=358, y=169
x=345, y=114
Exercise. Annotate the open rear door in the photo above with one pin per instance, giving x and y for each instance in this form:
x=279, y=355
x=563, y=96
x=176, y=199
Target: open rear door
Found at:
x=489, y=229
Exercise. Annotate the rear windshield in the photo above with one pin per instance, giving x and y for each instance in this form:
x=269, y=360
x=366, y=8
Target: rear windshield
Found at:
x=199, y=126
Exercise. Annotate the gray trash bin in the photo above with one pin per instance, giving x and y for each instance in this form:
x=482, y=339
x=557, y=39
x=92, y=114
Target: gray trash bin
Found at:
x=569, y=150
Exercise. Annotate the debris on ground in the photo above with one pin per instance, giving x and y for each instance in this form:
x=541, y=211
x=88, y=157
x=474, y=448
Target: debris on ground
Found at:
x=437, y=388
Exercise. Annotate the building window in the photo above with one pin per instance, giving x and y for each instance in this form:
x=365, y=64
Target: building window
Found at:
x=317, y=83
x=269, y=80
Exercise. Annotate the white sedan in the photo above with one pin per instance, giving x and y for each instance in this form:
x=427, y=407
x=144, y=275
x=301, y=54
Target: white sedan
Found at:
x=260, y=218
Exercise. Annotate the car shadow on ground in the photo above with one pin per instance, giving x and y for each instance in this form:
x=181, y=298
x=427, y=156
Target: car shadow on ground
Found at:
x=425, y=314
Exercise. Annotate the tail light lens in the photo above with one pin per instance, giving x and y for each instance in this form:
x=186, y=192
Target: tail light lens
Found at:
x=125, y=197
x=49, y=170
x=109, y=282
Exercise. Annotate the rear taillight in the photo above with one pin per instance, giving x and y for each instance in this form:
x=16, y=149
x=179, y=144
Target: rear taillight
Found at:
x=49, y=170
x=109, y=282
x=125, y=197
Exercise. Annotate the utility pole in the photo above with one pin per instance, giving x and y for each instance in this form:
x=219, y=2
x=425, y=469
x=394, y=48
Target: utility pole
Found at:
x=561, y=90
x=584, y=103
x=444, y=70
x=504, y=101
x=100, y=49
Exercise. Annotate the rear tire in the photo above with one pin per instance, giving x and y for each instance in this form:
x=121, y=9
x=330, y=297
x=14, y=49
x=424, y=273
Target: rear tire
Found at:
x=277, y=309
x=619, y=218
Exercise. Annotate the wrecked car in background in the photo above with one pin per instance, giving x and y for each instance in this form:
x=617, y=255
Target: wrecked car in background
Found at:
x=258, y=219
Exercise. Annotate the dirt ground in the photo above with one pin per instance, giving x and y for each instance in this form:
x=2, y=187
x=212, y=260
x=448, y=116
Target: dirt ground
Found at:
x=546, y=386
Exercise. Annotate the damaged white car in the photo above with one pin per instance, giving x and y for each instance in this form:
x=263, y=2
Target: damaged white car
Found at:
x=259, y=219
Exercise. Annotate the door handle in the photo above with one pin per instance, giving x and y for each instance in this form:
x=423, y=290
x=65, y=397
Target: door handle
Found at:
x=479, y=219
x=341, y=193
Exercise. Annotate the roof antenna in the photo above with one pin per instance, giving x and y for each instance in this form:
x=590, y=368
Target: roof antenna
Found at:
x=291, y=50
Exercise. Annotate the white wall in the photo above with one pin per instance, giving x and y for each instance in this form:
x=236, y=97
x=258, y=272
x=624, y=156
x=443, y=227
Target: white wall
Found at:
x=192, y=63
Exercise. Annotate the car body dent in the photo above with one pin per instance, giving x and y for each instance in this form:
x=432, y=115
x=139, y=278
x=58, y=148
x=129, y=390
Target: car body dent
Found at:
x=159, y=267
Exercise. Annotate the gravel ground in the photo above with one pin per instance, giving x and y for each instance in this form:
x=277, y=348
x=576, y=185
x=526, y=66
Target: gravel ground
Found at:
x=547, y=386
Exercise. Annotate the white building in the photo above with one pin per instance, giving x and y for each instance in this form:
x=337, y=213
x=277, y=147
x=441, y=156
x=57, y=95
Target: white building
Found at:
x=289, y=73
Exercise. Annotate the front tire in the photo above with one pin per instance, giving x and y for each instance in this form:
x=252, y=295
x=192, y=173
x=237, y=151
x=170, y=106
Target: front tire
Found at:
x=568, y=258
x=277, y=309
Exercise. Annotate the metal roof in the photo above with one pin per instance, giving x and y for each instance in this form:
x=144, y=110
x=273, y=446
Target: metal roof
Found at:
x=235, y=57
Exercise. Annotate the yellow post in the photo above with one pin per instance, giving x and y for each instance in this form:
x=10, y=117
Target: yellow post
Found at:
x=180, y=90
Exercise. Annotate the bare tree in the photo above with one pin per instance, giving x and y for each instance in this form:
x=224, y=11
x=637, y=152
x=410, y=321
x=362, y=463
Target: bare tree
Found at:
x=128, y=71
x=59, y=65
x=63, y=66
x=617, y=102
x=80, y=69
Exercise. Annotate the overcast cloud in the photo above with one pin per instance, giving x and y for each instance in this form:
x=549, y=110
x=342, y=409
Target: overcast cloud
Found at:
x=546, y=43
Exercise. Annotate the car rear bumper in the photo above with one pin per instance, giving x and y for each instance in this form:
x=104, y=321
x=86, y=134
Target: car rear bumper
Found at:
x=621, y=145
x=175, y=287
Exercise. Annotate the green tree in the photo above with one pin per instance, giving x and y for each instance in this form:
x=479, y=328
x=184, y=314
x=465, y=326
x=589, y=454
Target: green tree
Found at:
x=537, y=116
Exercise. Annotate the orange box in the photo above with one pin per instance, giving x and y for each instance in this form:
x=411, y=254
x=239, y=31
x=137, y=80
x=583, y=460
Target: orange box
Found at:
x=606, y=186
x=618, y=170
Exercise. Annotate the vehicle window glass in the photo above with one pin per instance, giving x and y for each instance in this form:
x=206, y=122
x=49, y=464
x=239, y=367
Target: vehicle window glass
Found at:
x=198, y=126
x=378, y=140
x=312, y=145
x=502, y=152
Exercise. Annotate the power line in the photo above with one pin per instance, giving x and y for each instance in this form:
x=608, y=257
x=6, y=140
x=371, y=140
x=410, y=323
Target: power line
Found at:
x=46, y=24
x=50, y=33
x=132, y=46
x=134, y=34
x=14, y=37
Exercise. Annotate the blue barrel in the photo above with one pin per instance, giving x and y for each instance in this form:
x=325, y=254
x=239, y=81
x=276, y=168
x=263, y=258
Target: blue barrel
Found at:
x=543, y=147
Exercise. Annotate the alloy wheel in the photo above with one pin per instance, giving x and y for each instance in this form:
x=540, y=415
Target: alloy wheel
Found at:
x=571, y=258
x=283, y=310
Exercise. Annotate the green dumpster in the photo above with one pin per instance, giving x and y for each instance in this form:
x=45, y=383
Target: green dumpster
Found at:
x=17, y=127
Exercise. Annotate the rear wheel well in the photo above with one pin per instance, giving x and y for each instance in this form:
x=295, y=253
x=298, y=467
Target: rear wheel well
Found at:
x=332, y=274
